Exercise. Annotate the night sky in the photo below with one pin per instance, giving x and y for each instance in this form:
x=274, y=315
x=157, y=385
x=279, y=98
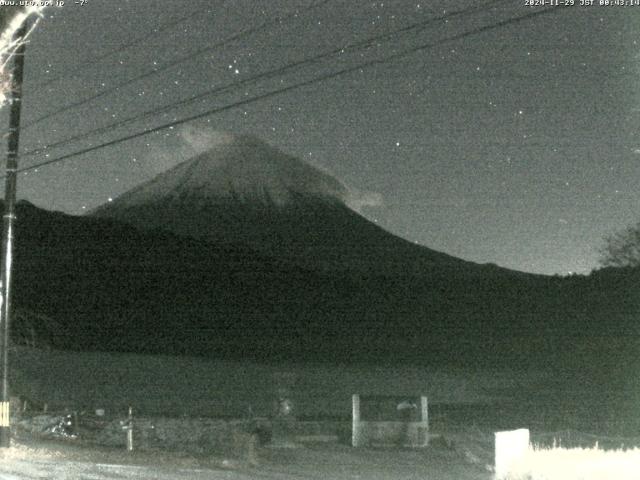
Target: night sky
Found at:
x=516, y=145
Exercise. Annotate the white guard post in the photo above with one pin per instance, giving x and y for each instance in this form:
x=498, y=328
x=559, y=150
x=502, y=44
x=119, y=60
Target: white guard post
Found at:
x=511, y=447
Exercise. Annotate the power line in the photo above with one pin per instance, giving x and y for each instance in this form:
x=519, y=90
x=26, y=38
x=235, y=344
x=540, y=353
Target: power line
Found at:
x=169, y=65
x=325, y=77
x=82, y=66
x=268, y=74
x=321, y=78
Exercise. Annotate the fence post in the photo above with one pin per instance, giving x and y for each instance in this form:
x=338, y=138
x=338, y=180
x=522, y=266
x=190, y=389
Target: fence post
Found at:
x=355, y=425
x=423, y=438
x=130, y=430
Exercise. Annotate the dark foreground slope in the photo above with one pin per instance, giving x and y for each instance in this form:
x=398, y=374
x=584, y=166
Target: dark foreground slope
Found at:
x=111, y=287
x=379, y=295
x=246, y=252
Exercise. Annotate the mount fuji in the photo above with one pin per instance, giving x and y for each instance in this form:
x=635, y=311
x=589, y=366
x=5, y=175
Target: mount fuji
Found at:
x=244, y=191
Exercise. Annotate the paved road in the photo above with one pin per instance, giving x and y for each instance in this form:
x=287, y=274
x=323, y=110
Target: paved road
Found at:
x=72, y=470
x=310, y=462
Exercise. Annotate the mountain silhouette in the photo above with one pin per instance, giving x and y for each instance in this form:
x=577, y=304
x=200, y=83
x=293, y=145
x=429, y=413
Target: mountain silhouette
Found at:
x=244, y=191
x=276, y=266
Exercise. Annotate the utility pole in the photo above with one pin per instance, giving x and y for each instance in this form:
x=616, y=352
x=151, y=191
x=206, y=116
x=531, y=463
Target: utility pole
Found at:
x=15, y=99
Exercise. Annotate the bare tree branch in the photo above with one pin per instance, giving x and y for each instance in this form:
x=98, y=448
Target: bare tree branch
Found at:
x=622, y=249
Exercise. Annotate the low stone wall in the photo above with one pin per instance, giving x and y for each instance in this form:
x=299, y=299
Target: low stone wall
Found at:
x=180, y=434
x=193, y=435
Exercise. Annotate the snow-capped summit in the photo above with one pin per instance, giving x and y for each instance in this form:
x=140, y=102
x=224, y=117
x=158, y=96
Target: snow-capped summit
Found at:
x=238, y=168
